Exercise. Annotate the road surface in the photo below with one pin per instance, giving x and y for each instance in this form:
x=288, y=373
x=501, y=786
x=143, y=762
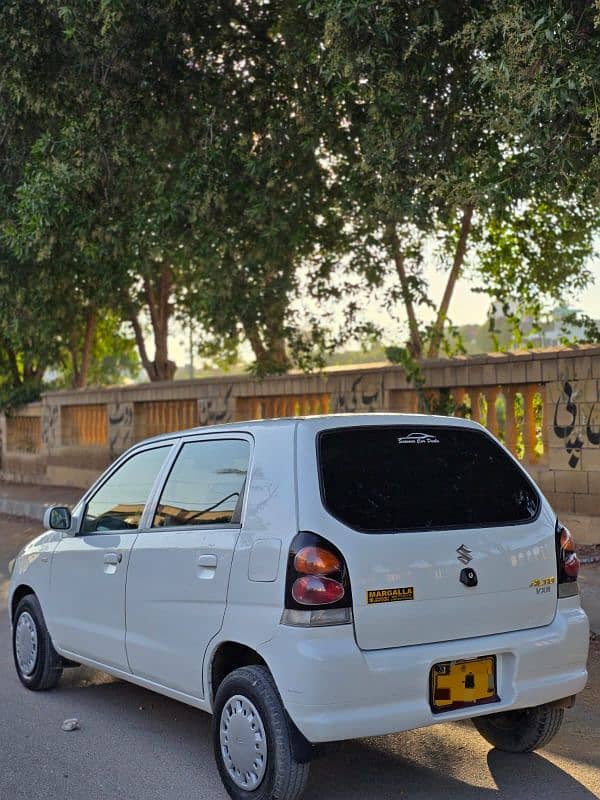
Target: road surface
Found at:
x=136, y=745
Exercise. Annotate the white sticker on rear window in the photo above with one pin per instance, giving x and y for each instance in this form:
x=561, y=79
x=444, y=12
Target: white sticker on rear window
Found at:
x=418, y=438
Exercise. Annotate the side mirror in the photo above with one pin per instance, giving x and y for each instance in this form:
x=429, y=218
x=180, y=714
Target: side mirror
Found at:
x=58, y=518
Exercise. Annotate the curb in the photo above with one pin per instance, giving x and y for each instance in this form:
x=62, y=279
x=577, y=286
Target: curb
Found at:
x=23, y=508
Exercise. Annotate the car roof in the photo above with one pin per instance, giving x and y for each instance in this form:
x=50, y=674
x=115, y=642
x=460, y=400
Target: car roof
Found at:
x=318, y=422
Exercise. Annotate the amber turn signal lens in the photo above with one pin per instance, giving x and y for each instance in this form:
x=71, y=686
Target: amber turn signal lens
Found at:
x=566, y=541
x=316, y=561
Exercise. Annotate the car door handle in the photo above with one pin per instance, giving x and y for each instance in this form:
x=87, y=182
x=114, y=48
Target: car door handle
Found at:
x=208, y=560
x=113, y=558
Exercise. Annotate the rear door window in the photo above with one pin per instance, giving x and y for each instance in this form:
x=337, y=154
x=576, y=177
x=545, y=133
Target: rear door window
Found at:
x=205, y=484
x=399, y=478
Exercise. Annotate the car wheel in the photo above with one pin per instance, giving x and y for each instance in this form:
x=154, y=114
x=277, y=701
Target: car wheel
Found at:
x=38, y=665
x=521, y=731
x=252, y=742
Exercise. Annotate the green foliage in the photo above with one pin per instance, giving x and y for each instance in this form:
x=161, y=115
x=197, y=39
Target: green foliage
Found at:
x=541, y=63
x=113, y=356
x=12, y=398
x=535, y=255
x=590, y=326
x=182, y=154
x=439, y=135
x=192, y=160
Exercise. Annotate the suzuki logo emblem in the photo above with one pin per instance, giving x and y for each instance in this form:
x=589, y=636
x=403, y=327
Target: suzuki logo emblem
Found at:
x=464, y=554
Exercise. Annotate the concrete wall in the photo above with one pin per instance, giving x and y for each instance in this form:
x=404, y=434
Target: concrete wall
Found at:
x=544, y=404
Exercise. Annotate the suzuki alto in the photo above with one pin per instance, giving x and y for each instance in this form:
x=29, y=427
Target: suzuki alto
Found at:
x=311, y=580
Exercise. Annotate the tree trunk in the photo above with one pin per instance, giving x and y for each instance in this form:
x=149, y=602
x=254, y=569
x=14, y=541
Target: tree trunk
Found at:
x=81, y=367
x=437, y=333
x=14, y=367
x=414, y=341
x=278, y=358
x=141, y=346
x=253, y=336
x=269, y=350
x=33, y=374
x=157, y=295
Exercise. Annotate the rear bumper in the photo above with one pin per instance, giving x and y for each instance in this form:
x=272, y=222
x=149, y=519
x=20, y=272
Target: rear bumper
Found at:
x=333, y=691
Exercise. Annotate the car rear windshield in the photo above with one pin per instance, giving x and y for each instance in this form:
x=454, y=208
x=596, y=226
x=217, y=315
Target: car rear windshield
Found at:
x=398, y=478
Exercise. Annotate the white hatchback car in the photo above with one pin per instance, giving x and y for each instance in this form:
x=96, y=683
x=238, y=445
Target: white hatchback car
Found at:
x=313, y=579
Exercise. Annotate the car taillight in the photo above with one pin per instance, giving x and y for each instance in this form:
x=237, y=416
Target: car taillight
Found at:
x=317, y=588
x=567, y=562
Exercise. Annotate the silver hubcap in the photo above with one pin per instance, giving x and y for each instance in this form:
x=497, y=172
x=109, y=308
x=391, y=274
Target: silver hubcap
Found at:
x=26, y=643
x=243, y=743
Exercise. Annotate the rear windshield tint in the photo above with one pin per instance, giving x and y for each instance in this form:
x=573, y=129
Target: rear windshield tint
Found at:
x=400, y=478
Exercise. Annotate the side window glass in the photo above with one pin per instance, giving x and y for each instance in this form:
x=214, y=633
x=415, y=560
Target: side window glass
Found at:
x=119, y=503
x=205, y=484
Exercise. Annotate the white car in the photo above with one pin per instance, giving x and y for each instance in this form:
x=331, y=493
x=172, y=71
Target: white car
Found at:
x=314, y=579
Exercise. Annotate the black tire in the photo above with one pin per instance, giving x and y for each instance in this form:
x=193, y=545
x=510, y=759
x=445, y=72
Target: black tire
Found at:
x=48, y=664
x=284, y=778
x=521, y=731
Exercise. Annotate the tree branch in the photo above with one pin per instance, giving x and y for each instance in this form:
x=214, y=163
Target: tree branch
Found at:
x=415, y=345
x=459, y=257
x=86, y=353
x=148, y=365
x=13, y=366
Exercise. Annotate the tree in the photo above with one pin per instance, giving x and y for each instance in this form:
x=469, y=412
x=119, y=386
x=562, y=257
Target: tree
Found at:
x=429, y=156
x=29, y=340
x=534, y=255
x=541, y=63
x=179, y=157
x=79, y=202
x=263, y=200
x=112, y=356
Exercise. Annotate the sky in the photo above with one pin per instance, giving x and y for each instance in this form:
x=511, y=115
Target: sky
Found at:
x=467, y=307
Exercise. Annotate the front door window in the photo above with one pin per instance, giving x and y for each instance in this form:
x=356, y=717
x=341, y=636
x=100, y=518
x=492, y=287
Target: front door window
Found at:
x=119, y=503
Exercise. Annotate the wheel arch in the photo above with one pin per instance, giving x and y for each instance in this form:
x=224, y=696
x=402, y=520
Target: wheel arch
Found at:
x=19, y=593
x=225, y=658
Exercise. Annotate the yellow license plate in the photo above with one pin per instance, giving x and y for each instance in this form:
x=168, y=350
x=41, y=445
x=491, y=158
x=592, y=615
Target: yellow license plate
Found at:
x=458, y=684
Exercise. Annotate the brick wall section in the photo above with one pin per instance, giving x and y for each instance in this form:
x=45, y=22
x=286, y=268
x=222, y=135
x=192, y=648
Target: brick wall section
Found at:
x=561, y=447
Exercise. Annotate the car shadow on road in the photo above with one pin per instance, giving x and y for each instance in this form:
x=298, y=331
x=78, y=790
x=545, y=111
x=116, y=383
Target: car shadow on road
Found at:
x=420, y=764
x=368, y=769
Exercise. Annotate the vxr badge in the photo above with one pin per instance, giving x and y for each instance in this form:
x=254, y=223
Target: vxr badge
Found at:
x=464, y=554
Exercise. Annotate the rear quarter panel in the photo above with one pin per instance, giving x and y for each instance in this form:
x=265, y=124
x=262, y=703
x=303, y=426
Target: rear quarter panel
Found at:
x=269, y=523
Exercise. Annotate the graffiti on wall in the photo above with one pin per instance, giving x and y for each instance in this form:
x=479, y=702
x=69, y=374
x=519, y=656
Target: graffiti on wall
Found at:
x=216, y=410
x=50, y=427
x=120, y=427
x=574, y=425
x=362, y=398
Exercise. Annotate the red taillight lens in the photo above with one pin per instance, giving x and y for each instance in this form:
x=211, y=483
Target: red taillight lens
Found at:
x=571, y=566
x=317, y=590
x=568, y=563
x=316, y=561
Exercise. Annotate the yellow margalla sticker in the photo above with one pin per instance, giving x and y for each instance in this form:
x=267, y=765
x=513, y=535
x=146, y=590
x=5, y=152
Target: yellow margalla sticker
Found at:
x=542, y=582
x=390, y=595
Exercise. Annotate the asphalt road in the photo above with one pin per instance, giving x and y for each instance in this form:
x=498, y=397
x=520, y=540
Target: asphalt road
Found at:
x=135, y=745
